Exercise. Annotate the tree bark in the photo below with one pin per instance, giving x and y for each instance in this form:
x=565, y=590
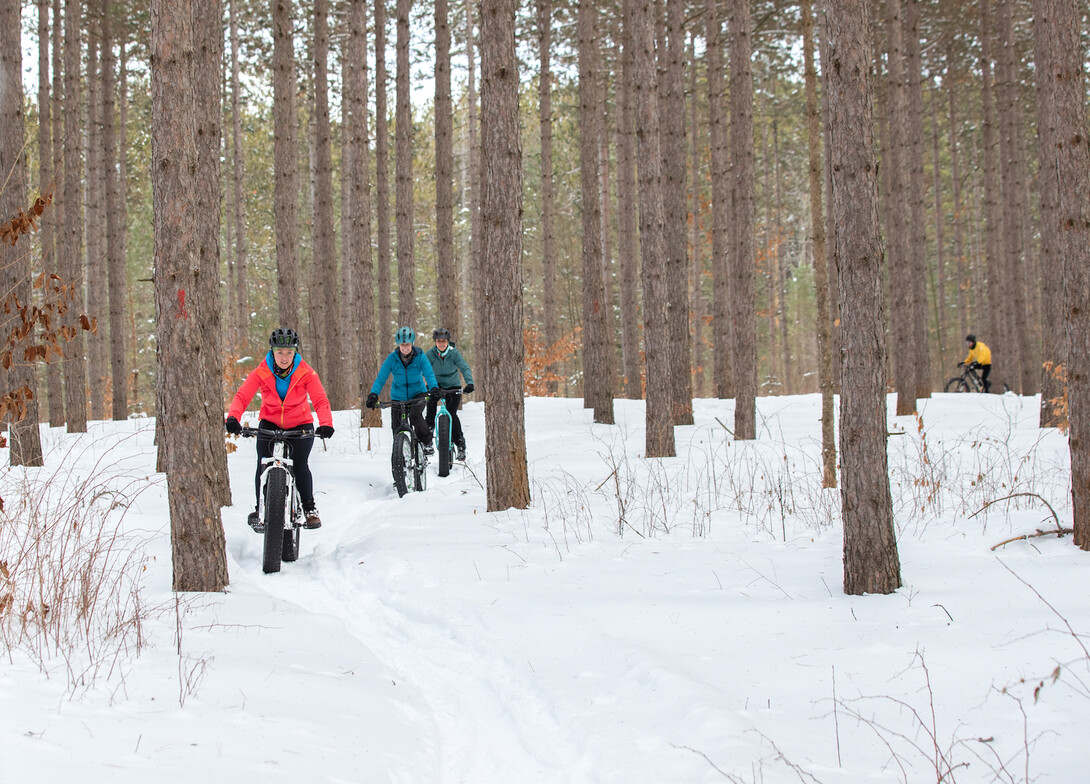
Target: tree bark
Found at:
x=238, y=166
x=994, y=300
x=1064, y=83
x=817, y=232
x=597, y=367
x=382, y=182
x=403, y=131
x=115, y=257
x=627, y=217
x=696, y=273
x=197, y=541
x=94, y=221
x=54, y=372
x=328, y=319
x=871, y=562
x=659, y=432
x=449, y=311
x=286, y=166
x=548, y=208
x=75, y=364
x=743, y=318
x=508, y=484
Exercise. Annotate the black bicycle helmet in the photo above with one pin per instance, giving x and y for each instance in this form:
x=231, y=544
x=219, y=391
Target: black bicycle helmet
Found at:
x=442, y=332
x=970, y=338
x=284, y=338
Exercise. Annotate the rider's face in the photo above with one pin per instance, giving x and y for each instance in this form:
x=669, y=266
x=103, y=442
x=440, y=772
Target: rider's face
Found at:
x=441, y=344
x=405, y=348
x=284, y=357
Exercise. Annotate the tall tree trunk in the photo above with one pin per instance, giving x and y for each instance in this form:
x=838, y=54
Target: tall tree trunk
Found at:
x=197, y=541
x=507, y=481
x=627, y=217
x=993, y=213
x=1065, y=86
x=115, y=257
x=656, y=335
x=357, y=227
x=75, y=364
x=919, y=342
x=962, y=259
x=696, y=272
x=94, y=220
x=597, y=367
x=208, y=86
x=743, y=318
x=325, y=251
x=677, y=258
x=940, y=238
x=238, y=166
x=548, y=209
x=123, y=201
x=817, y=232
x=54, y=372
x=871, y=562
x=449, y=311
x=831, y=258
x=406, y=263
x=15, y=258
x=382, y=182
x=721, y=232
x=895, y=167
x=286, y=166
x=473, y=198
x=46, y=183
x=1053, y=347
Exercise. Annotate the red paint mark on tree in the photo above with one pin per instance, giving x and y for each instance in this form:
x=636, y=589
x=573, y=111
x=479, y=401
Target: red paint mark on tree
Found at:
x=181, y=304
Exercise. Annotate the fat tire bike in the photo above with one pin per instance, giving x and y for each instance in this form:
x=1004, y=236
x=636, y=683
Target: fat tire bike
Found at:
x=279, y=506
x=408, y=463
x=968, y=381
x=442, y=428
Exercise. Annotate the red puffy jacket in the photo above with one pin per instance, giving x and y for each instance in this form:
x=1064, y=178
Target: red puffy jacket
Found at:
x=294, y=410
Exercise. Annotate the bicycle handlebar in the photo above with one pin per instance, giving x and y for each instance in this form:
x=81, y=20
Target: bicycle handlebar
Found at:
x=253, y=432
x=416, y=401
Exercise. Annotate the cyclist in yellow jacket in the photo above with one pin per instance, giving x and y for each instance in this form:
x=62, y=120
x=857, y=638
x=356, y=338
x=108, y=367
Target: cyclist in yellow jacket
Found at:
x=981, y=356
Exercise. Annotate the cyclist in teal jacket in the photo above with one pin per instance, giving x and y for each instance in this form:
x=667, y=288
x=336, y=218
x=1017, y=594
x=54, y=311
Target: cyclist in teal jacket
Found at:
x=448, y=362
x=411, y=379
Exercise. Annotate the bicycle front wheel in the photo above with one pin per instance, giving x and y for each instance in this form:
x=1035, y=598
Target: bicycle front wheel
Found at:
x=275, y=507
x=442, y=446
x=956, y=384
x=420, y=476
x=401, y=460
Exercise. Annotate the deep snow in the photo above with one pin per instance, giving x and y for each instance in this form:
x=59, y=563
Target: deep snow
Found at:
x=671, y=620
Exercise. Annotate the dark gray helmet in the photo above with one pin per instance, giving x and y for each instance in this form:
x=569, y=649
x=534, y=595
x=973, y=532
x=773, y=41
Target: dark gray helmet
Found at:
x=284, y=338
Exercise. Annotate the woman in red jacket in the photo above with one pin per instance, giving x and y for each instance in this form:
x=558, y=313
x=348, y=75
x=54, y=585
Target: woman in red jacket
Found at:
x=285, y=382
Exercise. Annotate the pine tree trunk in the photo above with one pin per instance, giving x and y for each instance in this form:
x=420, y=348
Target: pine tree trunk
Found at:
x=197, y=541
x=507, y=481
x=115, y=259
x=817, y=232
x=75, y=363
x=449, y=311
x=382, y=182
x=1054, y=350
x=696, y=272
x=328, y=315
x=1057, y=26
x=95, y=268
x=721, y=231
x=597, y=367
x=871, y=562
x=403, y=153
x=672, y=100
x=15, y=258
x=656, y=336
x=995, y=296
x=473, y=198
x=286, y=188
x=962, y=259
x=940, y=242
x=627, y=217
x=46, y=174
x=742, y=263
x=54, y=372
x=241, y=315
x=548, y=208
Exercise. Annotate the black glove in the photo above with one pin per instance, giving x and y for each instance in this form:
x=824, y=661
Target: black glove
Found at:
x=372, y=400
x=232, y=426
x=434, y=393
x=467, y=388
x=324, y=431
x=961, y=364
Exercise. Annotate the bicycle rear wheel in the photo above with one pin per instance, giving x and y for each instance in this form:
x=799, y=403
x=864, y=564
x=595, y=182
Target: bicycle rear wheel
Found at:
x=420, y=475
x=956, y=384
x=275, y=506
x=401, y=460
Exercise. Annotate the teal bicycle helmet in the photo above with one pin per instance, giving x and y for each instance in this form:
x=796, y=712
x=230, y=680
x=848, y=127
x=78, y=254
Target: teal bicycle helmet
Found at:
x=405, y=335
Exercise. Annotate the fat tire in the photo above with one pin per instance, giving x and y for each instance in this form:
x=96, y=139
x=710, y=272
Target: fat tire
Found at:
x=420, y=475
x=956, y=384
x=275, y=497
x=400, y=460
x=442, y=448
x=290, y=551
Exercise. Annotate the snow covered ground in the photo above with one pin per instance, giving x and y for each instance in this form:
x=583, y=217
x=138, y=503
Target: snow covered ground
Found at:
x=645, y=621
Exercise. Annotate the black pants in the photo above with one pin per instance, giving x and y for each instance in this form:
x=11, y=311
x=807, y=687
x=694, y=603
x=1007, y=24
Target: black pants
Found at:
x=416, y=418
x=453, y=399
x=985, y=370
x=300, y=452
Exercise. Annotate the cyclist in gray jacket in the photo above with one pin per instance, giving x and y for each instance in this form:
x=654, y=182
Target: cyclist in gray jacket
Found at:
x=447, y=363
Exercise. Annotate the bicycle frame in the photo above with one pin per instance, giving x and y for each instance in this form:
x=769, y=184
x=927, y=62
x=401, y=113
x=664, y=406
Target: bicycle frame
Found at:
x=280, y=458
x=418, y=461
